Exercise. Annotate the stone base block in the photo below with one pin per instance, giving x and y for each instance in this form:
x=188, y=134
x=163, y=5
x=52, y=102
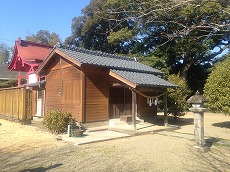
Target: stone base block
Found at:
x=201, y=149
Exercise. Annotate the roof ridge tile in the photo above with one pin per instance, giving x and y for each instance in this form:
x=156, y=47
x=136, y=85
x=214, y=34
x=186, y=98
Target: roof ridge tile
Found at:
x=107, y=60
x=92, y=52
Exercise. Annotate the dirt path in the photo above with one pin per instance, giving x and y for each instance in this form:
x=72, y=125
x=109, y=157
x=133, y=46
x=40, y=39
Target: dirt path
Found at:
x=26, y=148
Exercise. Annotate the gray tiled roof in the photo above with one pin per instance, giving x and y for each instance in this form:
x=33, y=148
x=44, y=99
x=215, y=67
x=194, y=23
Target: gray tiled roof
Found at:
x=143, y=79
x=126, y=67
x=5, y=74
x=106, y=60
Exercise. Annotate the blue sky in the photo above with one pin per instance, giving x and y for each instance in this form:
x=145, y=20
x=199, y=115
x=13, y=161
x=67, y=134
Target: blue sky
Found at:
x=20, y=18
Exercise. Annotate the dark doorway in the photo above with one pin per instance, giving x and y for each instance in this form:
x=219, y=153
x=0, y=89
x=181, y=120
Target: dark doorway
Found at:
x=120, y=102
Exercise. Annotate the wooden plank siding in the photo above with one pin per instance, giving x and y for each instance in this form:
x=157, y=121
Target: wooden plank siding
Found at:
x=84, y=94
x=96, y=95
x=16, y=103
x=53, y=100
x=144, y=110
x=63, y=88
x=87, y=92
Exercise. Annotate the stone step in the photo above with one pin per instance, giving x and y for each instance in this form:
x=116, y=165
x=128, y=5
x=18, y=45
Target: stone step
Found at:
x=126, y=118
x=94, y=129
x=116, y=122
x=96, y=124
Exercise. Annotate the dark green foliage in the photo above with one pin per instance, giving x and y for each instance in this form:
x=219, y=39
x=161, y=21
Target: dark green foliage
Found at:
x=190, y=34
x=9, y=83
x=197, y=75
x=155, y=62
x=94, y=31
x=217, y=88
x=177, y=104
x=177, y=36
x=58, y=121
x=44, y=37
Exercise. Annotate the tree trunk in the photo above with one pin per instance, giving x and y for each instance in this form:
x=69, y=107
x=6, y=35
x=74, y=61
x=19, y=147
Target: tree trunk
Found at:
x=184, y=70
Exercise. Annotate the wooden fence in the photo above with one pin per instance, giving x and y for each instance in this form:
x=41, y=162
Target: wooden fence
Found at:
x=16, y=103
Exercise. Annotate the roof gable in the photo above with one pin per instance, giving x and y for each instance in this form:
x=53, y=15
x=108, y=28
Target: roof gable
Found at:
x=28, y=53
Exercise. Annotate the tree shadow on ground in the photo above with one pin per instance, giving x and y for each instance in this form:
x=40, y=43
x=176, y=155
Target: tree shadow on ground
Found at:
x=210, y=141
x=41, y=169
x=214, y=160
x=225, y=124
x=179, y=121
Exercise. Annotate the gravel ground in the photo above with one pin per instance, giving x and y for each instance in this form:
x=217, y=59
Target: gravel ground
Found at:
x=27, y=148
x=215, y=125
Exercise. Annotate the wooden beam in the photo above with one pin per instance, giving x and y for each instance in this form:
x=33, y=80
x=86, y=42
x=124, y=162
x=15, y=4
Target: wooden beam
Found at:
x=118, y=77
x=165, y=109
x=134, y=110
x=43, y=64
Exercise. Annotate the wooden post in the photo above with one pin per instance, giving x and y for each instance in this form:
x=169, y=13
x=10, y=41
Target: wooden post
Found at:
x=134, y=110
x=165, y=110
x=83, y=117
x=23, y=112
x=43, y=103
x=19, y=79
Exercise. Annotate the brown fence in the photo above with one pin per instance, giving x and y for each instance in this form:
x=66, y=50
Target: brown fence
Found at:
x=16, y=103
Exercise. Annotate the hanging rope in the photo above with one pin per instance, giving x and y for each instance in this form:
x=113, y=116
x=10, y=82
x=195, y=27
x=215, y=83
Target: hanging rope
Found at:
x=146, y=96
x=150, y=99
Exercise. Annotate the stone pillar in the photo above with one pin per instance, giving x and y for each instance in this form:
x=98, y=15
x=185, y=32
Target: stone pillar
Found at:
x=198, y=127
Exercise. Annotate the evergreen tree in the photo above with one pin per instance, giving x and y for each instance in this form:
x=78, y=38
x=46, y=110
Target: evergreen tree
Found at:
x=178, y=35
x=177, y=104
x=44, y=37
x=217, y=87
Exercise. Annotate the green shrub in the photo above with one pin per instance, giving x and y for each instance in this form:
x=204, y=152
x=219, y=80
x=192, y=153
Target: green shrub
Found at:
x=217, y=88
x=177, y=104
x=58, y=121
x=9, y=83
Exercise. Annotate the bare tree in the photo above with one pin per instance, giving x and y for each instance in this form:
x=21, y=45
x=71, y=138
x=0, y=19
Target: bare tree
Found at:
x=188, y=29
x=4, y=53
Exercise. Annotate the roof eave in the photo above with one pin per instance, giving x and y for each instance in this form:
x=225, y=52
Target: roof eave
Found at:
x=74, y=61
x=52, y=53
x=13, y=58
x=156, y=86
x=120, y=78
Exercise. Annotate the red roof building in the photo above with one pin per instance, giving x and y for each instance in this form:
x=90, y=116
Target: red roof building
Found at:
x=27, y=56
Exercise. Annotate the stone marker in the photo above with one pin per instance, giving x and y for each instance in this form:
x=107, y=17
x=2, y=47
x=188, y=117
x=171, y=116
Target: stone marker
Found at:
x=198, y=109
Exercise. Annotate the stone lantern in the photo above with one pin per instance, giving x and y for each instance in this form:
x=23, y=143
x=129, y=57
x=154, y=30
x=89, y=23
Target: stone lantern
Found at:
x=197, y=101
